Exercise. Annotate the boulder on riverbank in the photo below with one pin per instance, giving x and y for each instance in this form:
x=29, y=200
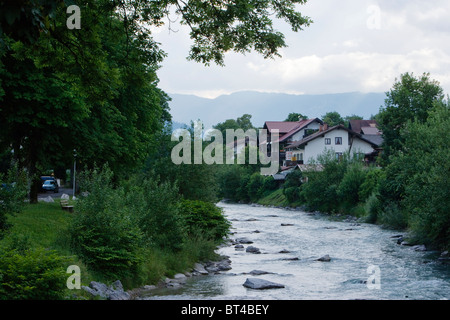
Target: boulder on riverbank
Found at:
x=260, y=284
x=243, y=241
x=113, y=292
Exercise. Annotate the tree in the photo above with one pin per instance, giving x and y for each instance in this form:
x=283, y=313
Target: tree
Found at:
x=351, y=117
x=410, y=99
x=425, y=164
x=333, y=118
x=216, y=27
x=293, y=117
x=97, y=87
x=243, y=122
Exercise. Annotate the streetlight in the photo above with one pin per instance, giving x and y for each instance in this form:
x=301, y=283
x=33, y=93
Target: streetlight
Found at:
x=74, y=170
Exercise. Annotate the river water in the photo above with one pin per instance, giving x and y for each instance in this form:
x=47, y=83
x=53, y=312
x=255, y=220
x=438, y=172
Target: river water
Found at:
x=366, y=261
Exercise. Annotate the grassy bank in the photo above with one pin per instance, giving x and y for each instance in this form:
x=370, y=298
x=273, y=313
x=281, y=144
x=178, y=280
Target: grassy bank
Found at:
x=44, y=226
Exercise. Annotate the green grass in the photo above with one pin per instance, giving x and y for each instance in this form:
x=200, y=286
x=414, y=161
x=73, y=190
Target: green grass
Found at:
x=46, y=224
x=275, y=198
x=42, y=224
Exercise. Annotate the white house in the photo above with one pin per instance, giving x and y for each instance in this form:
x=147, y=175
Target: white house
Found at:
x=338, y=138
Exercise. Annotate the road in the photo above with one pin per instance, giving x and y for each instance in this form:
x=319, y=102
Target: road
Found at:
x=43, y=195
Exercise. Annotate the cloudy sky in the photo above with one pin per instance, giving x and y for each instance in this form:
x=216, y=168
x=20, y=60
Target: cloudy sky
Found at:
x=353, y=45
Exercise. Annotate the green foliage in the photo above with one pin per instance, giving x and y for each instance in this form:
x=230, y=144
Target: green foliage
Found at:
x=333, y=118
x=292, y=186
x=254, y=186
x=320, y=193
x=244, y=122
x=36, y=274
x=205, y=217
x=392, y=216
x=410, y=99
x=294, y=116
x=103, y=233
x=155, y=207
x=350, y=185
x=13, y=191
x=370, y=184
x=426, y=163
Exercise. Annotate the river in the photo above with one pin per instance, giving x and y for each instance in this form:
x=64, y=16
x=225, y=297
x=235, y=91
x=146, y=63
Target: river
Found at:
x=366, y=261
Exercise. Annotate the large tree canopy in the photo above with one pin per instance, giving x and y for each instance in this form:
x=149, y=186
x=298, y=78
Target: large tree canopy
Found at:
x=95, y=89
x=216, y=26
x=410, y=99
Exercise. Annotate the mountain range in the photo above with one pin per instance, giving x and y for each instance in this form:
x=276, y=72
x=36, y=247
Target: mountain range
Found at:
x=265, y=106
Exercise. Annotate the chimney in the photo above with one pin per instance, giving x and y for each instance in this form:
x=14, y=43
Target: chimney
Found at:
x=325, y=126
x=320, y=128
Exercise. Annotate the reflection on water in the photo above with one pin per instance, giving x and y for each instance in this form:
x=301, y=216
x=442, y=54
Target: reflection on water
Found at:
x=362, y=256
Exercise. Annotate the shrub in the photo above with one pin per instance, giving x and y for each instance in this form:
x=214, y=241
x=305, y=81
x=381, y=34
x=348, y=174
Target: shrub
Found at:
x=103, y=233
x=350, y=184
x=36, y=274
x=156, y=209
x=370, y=183
x=392, y=216
x=372, y=208
x=254, y=186
x=291, y=187
x=204, y=217
x=13, y=190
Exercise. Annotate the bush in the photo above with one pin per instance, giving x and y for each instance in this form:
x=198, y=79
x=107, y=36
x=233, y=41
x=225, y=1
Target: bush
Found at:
x=348, y=190
x=156, y=209
x=254, y=186
x=370, y=183
x=204, y=217
x=13, y=190
x=32, y=275
x=372, y=208
x=103, y=232
x=392, y=216
x=291, y=187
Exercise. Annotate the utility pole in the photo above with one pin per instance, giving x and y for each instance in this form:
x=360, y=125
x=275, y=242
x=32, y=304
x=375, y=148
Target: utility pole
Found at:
x=74, y=170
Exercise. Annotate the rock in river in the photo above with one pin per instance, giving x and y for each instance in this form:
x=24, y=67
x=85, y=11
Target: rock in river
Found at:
x=260, y=284
x=325, y=258
x=252, y=249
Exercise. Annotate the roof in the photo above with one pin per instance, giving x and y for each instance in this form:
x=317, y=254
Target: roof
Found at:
x=323, y=132
x=288, y=128
x=356, y=125
x=370, y=130
x=374, y=139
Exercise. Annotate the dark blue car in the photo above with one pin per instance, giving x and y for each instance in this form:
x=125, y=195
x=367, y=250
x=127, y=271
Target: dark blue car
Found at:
x=50, y=185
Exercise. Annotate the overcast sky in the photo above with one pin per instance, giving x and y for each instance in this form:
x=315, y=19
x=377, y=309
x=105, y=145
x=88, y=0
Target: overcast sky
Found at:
x=353, y=45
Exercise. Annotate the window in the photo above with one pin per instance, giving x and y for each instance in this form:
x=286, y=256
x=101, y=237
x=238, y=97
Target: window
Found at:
x=327, y=140
x=338, y=156
x=338, y=140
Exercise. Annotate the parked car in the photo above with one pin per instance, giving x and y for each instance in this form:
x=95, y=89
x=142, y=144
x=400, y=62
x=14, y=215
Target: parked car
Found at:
x=50, y=185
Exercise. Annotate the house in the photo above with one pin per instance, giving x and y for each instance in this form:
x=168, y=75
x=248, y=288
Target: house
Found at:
x=338, y=138
x=368, y=129
x=289, y=132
